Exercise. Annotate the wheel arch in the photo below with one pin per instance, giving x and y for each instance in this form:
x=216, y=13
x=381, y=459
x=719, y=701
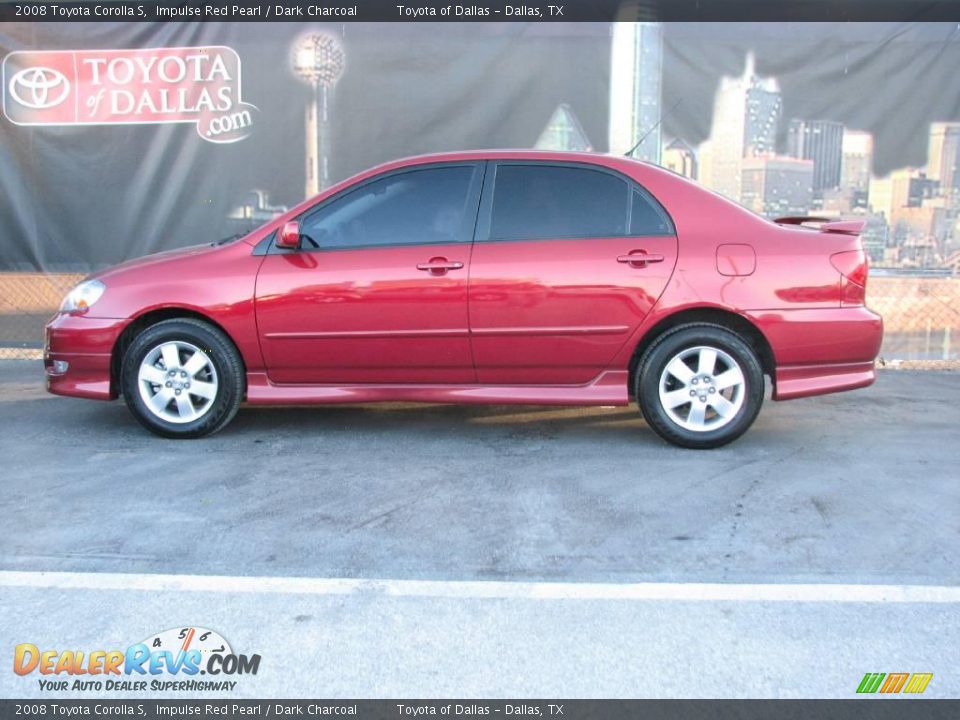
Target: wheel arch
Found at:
x=716, y=316
x=148, y=319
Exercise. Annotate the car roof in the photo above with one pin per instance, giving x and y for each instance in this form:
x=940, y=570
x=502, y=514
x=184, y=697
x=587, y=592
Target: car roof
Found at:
x=595, y=158
x=627, y=165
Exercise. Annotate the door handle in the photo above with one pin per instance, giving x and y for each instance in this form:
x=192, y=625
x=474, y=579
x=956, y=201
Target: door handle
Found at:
x=639, y=258
x=439, y=266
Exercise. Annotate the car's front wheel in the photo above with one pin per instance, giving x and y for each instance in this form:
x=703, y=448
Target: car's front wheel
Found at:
x=699, y=386
x=182, y=378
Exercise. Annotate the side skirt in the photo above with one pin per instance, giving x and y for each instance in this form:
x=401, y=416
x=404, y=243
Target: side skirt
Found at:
x=609, y=388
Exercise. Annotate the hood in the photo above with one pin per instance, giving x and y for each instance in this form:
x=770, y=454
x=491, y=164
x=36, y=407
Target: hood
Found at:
x=158, y=259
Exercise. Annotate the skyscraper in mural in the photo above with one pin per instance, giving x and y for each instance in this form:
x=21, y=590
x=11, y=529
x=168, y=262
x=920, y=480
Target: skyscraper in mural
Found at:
x=636, y=85
x=563, y=132
x=777, y=186
x=763, y=107
x=897, y=194
x=822, y=142
x=856, y=164
x=746, y=113
x=680, y=157
x=943, y=157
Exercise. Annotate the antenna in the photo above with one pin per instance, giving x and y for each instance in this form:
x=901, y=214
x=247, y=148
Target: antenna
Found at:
x=632, y=150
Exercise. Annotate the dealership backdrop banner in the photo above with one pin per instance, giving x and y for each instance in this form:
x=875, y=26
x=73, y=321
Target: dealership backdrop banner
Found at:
x=122, y=139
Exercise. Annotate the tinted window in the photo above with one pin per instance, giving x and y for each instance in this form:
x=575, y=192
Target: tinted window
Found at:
x=410, y=208
x=537, y=201
x=646, y=218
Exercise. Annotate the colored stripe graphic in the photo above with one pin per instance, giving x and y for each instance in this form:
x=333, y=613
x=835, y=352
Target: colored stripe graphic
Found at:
x=894, y=683
x=918, y=682
x=870, y=682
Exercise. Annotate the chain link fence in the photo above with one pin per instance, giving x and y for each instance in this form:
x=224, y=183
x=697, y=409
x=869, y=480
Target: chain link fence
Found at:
x=27, y=300
x=921, y=314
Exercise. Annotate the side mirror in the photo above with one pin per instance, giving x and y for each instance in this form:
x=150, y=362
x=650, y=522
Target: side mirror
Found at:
x=289, y=236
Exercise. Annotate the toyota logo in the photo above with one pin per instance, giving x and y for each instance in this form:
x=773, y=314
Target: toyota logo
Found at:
x=39, y=88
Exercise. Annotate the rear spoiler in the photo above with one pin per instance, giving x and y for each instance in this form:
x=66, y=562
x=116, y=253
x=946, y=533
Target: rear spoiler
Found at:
x=843, y=227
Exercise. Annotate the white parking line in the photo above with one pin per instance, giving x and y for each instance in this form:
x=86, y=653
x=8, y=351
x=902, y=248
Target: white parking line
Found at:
x=831, y=593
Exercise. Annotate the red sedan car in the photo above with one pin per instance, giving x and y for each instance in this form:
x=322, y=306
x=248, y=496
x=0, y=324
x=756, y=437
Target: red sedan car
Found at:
x=484, y=277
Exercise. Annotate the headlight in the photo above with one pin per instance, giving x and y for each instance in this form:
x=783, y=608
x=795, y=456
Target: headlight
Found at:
x=82, y=296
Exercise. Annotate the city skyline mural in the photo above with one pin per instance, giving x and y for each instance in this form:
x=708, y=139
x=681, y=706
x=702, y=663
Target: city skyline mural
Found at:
x=787, y=119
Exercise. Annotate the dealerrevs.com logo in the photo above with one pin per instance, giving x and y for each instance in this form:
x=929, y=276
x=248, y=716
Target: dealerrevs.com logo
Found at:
x=199, y=85
x=191, y=659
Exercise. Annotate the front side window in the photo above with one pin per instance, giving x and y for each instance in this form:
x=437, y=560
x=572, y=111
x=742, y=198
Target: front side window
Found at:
x=417, y=207
x=545, y=201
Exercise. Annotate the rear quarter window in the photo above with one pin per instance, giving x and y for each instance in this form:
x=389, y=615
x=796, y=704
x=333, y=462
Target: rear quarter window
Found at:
x=646, y=217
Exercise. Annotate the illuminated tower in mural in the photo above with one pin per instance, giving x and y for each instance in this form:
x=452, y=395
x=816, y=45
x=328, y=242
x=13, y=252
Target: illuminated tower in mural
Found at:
x=636, y=80
x=318, y=59
x=746, y=112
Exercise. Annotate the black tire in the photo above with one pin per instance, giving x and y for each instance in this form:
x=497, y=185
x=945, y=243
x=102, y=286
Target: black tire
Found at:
x=223, y=356
x=685, y=339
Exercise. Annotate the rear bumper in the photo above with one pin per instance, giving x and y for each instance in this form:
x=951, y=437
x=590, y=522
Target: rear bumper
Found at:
x=86, y=346
x=822, y=350
x=806, y=380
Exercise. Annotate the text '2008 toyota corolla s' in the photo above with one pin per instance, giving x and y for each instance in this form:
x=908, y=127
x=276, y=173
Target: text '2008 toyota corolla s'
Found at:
x=484, y=277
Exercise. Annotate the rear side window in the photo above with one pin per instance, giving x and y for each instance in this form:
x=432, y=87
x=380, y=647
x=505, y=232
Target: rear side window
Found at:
x=543, y=201
x=419, y=207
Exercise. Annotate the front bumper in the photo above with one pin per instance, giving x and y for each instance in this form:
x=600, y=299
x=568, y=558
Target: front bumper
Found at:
x=86, y=346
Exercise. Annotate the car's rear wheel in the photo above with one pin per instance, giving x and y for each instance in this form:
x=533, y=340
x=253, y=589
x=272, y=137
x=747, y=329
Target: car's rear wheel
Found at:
x=182, y=378
x=699, y=386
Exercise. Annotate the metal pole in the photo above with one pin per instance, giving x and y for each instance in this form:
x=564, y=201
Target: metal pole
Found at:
x=323, y=144
x=312, y=150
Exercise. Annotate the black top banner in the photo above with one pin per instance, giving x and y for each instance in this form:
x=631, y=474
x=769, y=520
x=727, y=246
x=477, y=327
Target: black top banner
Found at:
x=487, y=10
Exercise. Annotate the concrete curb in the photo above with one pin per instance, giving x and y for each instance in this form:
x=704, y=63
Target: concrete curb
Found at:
x=20, y=354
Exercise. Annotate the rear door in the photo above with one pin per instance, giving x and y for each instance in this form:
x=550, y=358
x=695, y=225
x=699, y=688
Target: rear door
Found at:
x=568, y=260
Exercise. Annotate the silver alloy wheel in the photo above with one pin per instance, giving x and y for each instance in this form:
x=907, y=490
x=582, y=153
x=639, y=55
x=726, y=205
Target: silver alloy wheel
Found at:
x=177, y=381
x=702, y=388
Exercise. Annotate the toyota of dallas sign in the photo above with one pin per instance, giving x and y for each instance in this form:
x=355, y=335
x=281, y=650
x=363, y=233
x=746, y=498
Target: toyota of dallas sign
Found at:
x=199, y=85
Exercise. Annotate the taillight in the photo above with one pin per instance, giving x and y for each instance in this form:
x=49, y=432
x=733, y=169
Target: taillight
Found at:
x=852, y=265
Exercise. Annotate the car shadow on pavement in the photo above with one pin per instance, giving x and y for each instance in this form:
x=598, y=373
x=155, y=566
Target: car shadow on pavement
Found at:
x=444, y=420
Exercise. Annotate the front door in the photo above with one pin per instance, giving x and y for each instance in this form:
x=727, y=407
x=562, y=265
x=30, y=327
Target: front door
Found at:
x=377, y=292
x=568, y=261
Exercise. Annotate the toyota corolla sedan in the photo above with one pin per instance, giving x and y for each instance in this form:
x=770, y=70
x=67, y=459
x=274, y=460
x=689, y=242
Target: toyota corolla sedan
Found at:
x=484, y=277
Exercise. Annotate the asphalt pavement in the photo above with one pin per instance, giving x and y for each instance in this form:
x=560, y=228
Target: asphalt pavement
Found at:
x=851, y=491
